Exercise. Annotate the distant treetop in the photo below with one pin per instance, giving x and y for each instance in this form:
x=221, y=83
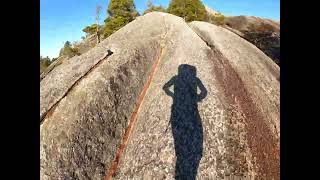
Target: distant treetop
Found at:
x=190, y=10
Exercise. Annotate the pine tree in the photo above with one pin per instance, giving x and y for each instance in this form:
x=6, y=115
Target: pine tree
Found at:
x=89, y=30
x=68, y=50
x=121, y=12
x=189, y=10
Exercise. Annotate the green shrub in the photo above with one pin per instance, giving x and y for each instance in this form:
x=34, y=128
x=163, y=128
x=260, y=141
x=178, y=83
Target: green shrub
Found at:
x=44, y=63
x=68, y=50
x=261, y=28
x=264, y=27
x=217, y=19
x=190, y=10
x=89, y=30
x=52, y=60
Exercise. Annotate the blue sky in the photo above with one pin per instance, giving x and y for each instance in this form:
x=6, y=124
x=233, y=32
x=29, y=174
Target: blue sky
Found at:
x=62, y=20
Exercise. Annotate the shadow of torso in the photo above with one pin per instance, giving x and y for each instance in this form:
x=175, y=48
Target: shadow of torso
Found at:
x=185, y=121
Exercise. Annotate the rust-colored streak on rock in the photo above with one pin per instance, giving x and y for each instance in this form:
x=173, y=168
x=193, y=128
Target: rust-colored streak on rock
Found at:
x=260, y=139
x=53, y=107
x=133, y=118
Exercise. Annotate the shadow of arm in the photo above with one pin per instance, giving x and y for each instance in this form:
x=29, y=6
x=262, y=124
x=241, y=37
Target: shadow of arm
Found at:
x=203, y=90
x=167, y=86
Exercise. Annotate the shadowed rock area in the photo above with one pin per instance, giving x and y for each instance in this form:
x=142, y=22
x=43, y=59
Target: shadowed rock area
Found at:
x=162, y=99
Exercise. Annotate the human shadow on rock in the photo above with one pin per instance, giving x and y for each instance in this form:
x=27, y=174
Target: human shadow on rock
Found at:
x=185, y=120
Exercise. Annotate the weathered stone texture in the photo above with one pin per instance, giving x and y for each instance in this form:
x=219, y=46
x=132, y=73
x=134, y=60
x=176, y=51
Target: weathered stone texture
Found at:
x=229, y=131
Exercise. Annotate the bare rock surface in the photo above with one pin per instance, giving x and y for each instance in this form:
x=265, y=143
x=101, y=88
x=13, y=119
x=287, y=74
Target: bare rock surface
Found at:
x=248, y=23
x=262, y=123
x=162, y=99
x=85, y=103
x=53, y=65
x=263, y=33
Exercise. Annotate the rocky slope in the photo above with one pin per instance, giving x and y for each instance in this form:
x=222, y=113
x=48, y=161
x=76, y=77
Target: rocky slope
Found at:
x=251, y=23
x=264, y=33
x=83, y=46
x=86, y=44
x=162, y=99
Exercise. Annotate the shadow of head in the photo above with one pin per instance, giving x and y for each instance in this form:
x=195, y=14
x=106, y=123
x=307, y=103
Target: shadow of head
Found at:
x=185, y=86
x=185, y=70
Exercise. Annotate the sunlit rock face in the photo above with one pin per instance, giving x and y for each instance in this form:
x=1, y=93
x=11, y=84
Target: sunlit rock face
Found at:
x=162, y=99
